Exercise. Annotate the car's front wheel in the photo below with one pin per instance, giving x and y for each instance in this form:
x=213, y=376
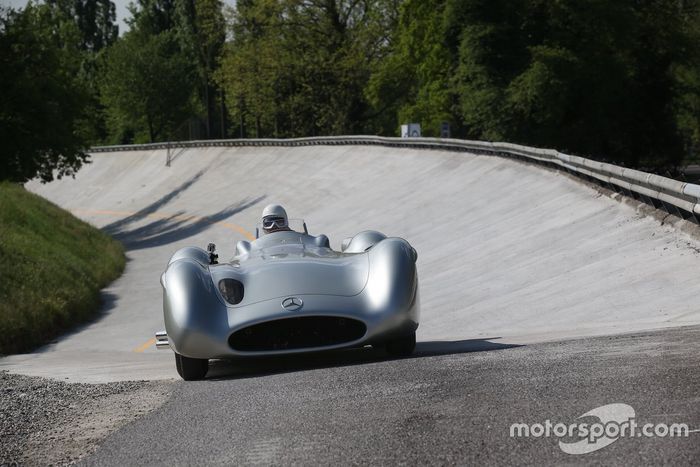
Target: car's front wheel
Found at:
x=401, y=346
x=191, y=369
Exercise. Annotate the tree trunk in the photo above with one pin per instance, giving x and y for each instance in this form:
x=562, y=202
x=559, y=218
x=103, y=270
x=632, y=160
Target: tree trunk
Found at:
x=208, y=105
x=151, y=134
x=223, y=114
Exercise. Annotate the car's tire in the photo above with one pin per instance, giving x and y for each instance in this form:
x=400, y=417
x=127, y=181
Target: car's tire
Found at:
x=401, y=346
x=191, y=369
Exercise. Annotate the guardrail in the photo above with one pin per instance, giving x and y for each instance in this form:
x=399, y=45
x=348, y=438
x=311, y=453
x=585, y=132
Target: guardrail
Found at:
x=679, y=198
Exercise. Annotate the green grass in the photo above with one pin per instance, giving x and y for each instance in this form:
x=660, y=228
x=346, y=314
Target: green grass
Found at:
x=52, y=267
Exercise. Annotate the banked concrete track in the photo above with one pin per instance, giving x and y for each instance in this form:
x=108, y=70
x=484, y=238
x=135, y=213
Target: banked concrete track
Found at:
x=509, y=253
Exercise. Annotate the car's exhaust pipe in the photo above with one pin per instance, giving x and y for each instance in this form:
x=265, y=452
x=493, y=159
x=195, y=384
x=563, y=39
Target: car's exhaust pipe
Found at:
x=162, y=341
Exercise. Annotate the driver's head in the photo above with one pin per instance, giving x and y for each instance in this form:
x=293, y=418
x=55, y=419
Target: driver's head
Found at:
x=274, y=219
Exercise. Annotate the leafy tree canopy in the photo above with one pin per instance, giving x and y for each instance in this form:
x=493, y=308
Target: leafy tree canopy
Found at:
x=146, y=86
x=43, y=106
x=616, y=80
x=300, y=67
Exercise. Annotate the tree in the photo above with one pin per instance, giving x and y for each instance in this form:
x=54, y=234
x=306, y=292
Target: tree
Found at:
x=95, y=20
x=151, y=17
x=254, y=63
x=585, y=76
x=148, y=77
x=43, y=106
x=615, y=80
x=146, y=86
x=203, y=32
x=300, y=67
x=413, y=82
x=686, y=74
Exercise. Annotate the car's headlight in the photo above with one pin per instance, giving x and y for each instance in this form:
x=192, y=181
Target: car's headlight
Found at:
x=231, y=290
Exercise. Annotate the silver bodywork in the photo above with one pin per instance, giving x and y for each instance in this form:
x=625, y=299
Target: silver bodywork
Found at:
x=294, y=285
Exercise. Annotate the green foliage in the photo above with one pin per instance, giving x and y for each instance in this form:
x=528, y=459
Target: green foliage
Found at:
x=688, y=110
x=686, y=73
x=608, y=79
x=52, y=267
x=146, y=86
x=94, y=20
x=96, y=30
x=151, y=17
x=413, y=83
x=50, y=110
x=202, y=32
x=616, y=80
x=158, y=77
x=299, y=68
x=43, y=104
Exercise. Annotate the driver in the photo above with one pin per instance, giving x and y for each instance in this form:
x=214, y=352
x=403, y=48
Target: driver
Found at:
x=274, y=219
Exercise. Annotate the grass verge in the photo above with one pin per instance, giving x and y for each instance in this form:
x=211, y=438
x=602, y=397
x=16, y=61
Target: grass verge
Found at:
x=52, y=267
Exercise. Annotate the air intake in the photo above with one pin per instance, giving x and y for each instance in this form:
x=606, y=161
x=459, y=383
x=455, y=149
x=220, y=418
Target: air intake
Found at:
x=297, y=333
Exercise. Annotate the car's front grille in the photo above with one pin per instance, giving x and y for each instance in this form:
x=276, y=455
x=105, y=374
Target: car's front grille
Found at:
x=297, y=333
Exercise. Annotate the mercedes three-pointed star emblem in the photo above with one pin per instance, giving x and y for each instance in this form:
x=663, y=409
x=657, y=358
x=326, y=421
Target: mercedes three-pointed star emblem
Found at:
x=292, y=303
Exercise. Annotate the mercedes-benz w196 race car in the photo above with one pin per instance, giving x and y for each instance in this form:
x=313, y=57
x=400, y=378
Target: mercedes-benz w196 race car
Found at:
x=289, y=292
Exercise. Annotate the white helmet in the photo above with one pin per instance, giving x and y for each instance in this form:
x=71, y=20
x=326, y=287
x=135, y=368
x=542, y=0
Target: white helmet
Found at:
x=274, y=218
x=274, y=210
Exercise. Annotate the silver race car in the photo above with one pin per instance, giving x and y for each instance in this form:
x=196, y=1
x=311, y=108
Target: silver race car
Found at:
x=289, y=292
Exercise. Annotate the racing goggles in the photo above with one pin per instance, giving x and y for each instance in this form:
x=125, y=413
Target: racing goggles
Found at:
x=274, y=222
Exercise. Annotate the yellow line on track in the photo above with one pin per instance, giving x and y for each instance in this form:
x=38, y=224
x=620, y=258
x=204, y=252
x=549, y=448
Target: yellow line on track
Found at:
x=145, y=345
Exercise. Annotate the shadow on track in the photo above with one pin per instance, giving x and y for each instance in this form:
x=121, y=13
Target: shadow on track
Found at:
x=120, y=225
x=254, y=367
x=177, y=226
x=163, y=230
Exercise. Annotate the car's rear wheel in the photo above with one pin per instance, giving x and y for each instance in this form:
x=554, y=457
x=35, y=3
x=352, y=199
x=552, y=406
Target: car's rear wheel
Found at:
x=401, y=346
x=191, y=369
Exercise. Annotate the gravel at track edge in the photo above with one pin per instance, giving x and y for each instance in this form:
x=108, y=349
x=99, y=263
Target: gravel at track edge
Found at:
x=43, y=421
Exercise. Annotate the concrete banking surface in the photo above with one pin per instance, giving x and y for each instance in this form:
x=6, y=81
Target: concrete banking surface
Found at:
x=509, y=253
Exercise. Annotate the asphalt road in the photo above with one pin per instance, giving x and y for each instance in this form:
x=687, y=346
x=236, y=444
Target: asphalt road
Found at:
x=452, y=403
